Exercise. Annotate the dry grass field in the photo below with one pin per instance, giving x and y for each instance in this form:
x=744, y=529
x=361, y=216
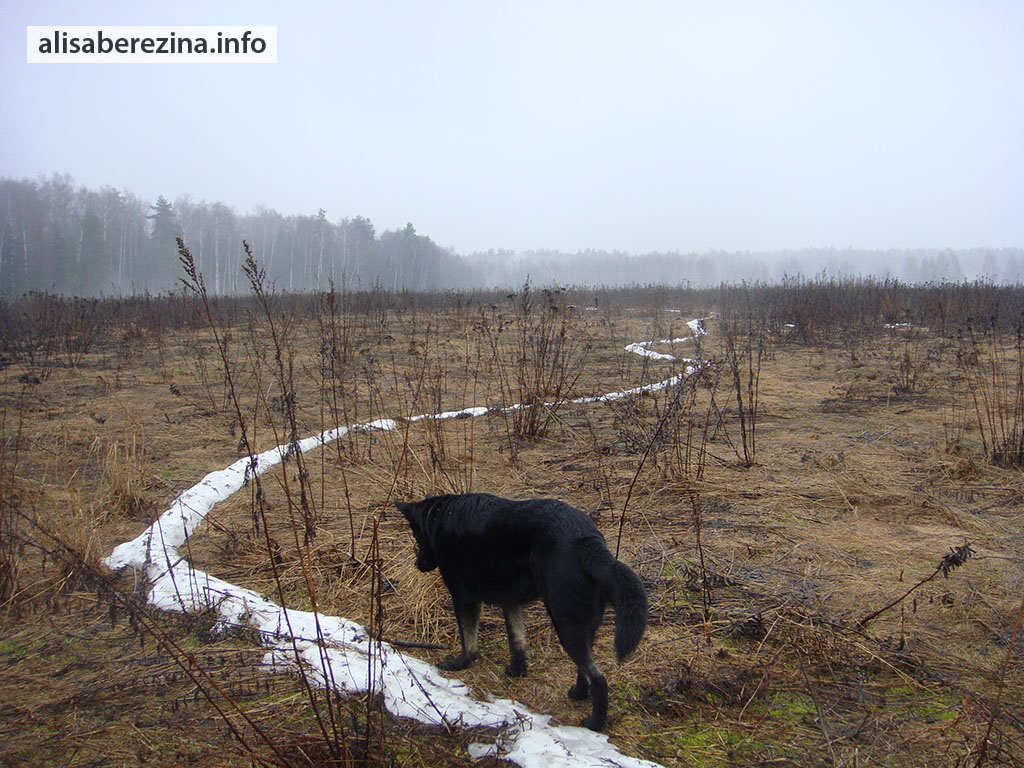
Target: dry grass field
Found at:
x=827, y=516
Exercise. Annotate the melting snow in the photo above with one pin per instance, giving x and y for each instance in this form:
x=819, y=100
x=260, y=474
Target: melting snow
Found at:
x=339, y=653
x=643, y=348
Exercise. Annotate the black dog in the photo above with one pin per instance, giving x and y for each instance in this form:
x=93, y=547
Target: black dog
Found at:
x=508, y=553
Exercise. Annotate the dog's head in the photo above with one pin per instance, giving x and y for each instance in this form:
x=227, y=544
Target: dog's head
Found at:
x=416, y=512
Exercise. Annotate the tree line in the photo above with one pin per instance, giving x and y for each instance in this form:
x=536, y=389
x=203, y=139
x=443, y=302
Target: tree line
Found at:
x=918, y=266
x=62, y=239
x=56, y=237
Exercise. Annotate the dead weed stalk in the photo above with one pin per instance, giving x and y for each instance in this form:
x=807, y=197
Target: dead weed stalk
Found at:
x=952, y=560
x=995, y=382
x=10, y=551
x=744, y=338
x=329, y=723
x=89, y=575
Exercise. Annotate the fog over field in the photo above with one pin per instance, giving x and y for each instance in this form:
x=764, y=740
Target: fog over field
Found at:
x=585, y=143
x=61, y=238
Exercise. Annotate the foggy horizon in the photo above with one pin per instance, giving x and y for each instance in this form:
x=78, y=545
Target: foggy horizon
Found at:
x=63, y=239
x=665, y=128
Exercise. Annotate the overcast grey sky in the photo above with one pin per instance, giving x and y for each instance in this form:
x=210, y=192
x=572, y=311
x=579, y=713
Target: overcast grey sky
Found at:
x=569, y=125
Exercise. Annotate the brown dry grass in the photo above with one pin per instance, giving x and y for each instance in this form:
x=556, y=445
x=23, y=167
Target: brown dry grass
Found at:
x=861, y=484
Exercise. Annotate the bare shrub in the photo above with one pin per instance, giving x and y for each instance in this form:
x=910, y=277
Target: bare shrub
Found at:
x=541, y=363
x=743, y=331
x=992, y=366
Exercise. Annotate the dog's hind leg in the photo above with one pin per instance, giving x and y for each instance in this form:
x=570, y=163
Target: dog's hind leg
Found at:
x=516, y=628
x=468, y=616
x=576, y=633
x=590, y=680
x=581, y=690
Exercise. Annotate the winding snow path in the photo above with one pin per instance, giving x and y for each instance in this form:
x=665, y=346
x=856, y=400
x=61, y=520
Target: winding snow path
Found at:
x=348, y=660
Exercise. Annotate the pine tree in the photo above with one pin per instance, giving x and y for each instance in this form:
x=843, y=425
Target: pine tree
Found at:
x=93, y=263
x=360, y=252
x=58, y=276
x=13, y=281
x=163, y=247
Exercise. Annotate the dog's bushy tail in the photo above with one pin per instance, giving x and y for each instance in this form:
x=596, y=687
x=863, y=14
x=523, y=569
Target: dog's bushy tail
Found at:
x=626, y=592
x=630, y=601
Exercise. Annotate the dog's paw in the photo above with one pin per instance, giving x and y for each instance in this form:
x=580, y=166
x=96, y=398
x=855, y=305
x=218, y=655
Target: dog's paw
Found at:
x=516, y=670
x=456, y=662
x=579, y=692
x=593, y=723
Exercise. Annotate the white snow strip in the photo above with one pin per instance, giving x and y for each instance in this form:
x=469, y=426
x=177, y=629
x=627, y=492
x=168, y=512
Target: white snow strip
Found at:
x=901, y=327
x=465, y=413
x=643, y=348
x=338, y=653
x=556, y=746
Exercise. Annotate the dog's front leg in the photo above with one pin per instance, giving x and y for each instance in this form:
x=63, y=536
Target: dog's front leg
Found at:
x=468, y=616
x=516, y=628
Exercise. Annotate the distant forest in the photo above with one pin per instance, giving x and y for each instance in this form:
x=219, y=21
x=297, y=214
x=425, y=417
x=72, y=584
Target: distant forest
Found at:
x=63, y=239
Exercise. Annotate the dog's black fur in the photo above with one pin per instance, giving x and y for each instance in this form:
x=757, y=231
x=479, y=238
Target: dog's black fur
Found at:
x=508, y=553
